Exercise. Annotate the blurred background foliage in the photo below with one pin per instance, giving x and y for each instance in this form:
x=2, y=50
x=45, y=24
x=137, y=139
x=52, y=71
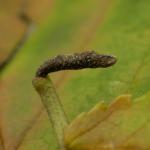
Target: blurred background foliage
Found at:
x=34, y=30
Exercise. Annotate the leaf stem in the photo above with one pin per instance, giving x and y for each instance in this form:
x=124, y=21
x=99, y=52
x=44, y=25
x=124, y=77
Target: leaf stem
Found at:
x=53, y=106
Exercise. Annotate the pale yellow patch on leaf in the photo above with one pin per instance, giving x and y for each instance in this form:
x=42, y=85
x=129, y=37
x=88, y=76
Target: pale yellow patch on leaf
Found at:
x=123, y=125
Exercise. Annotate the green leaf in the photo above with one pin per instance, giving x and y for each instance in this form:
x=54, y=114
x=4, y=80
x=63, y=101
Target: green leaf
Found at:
x=117, y=27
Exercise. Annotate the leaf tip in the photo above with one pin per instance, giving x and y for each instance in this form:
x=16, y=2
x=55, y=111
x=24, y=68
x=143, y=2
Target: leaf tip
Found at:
x=122, y=101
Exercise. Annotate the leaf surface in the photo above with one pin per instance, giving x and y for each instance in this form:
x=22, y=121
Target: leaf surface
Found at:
x=122, y=125
x=117, y=27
